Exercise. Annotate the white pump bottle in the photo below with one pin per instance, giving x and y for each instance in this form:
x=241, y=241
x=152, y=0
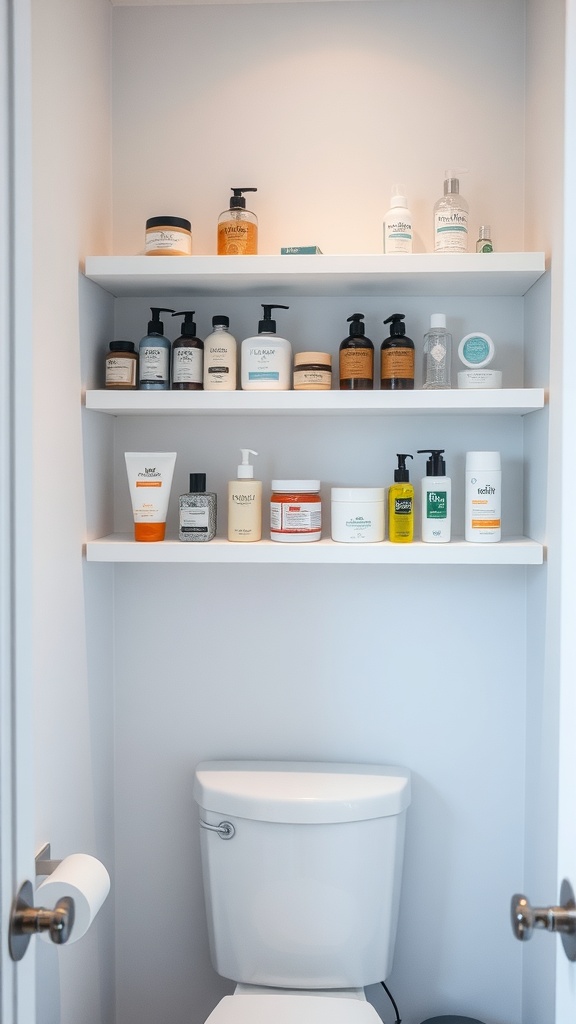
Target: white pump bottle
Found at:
x=245, y=502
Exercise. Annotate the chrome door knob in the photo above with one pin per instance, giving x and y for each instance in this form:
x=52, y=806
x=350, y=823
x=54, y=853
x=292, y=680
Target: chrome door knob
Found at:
x=561, y=919
x=27, y=920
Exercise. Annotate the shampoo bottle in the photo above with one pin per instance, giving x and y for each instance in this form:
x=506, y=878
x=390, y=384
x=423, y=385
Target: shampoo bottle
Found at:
x=238, y=227
x=397, y=357
x=220, y=357
x=437, y=355
x=154, y=354
x=483, y=497
x=187, y=353
x=401, y=505
x=398, y=223
x=356, y=357
x=436, y=498
x=245, y=502
x=266, y=359
x=451, y=218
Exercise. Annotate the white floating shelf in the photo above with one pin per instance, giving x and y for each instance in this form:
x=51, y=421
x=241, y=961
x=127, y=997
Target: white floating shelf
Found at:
x=122, y=548
x=514, y=401
x=494, y=274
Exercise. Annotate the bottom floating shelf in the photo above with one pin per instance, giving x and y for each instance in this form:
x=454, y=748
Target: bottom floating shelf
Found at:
x=122, y=548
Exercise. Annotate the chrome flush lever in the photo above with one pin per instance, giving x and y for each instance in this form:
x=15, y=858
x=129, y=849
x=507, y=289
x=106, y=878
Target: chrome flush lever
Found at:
x=225, y=829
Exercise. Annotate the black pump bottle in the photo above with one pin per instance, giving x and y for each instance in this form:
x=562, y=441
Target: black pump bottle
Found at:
x=397, y=357
x=356, y=358
x=187, y=356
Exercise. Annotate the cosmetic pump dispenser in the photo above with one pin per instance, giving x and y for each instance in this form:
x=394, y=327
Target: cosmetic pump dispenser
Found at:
x=266, y=358
x=238, y=227
x=197, y=511
x=451, y=218
x=220, y=357
x=154, y=354
x=436, y=507
x=187, y=355
x=437, y=355
x=397, y=357
x=401, y=504
x=398, y=223
x=356, y=357
x=245, y=502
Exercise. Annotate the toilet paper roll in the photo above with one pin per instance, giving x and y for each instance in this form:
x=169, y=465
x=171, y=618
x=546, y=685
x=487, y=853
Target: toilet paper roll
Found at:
x=86, y=880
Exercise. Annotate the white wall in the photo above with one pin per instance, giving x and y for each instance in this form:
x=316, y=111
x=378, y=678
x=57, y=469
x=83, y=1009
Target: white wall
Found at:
x=322, y=107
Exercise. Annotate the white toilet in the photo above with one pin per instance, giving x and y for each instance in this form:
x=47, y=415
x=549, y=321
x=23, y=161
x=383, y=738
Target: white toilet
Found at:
x=302, y=864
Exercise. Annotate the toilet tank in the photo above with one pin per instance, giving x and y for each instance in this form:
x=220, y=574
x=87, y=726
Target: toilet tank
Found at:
x=305, y=893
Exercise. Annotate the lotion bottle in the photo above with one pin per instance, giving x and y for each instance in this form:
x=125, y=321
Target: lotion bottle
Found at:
x=451, y=218
x=356, y=357
x=437, y=354
x=401, y=505
x=436, y=505
x=238, y=227
x=154, y=355
x=187, y=353
x=220, y=357
x=245, y=502
x=266, y=359
x=398, y=223
x=483, y=497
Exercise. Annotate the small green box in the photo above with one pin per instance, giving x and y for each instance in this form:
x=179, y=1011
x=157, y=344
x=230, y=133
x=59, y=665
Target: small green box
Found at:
x=300, y=250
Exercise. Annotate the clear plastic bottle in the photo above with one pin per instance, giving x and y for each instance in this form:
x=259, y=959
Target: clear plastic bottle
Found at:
x=484, y=241
x=451, y=218
x=437, y=354
x=238, y=227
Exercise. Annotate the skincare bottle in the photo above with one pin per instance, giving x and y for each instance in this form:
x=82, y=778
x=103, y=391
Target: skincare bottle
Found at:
x=484, y=242
x=398, y=223
x=197, y=511
x=266, y=359
x=121, y=366
x=397, y=357
x=356, y=358
x=245, y=502
x=401, y=504
x=451, y=218
x=436, y=505
x=483, y=497
x=238, y=227
x=154, y=354
x=187, y=353
x=220, y=357
x=437, y=354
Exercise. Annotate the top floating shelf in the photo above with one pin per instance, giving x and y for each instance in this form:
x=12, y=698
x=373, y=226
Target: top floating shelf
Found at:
x=417, y=274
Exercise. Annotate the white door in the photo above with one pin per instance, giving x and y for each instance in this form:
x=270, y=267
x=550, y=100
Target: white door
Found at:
x=17, y=988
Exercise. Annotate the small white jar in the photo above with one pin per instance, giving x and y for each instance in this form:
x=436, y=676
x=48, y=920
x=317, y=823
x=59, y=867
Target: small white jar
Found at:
x=357, y=514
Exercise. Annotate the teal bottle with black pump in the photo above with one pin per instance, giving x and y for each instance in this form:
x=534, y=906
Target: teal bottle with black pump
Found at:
x=154, y=354
x=397, y=357
x=356, y=357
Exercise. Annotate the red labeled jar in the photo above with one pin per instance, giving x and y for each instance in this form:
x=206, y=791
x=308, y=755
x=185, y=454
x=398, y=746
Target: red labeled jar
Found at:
x=295, y=511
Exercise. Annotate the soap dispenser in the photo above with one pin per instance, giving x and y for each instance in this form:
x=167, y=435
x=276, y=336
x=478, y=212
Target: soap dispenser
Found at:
x=245, y=502
x=187, y=356
x=397, y=357
x=451, y=217
x=436, y=498
x=238, y=227
x=266, y=358
x=356, y=357
x=401, y=504
x=154, y=354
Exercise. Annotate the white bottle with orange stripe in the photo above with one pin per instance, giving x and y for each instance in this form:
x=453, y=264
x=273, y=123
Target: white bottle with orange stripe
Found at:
x=483, y=497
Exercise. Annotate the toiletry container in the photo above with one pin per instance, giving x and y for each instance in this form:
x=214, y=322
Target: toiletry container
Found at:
x=436, y=498
x=356, y=357
x=398, y=224
x=451, y=218
x=238, y=227
x=357, y=514
x=437, y=354
x=187, y=356
x=220, y=357
x=245, y=502
x=484, y=241
x=483, y=497
x=197, y=511
x=397, y=357
x=301, y=944
x=154, y=354
x=168, y=236
x=295, y=511
x=266, y=359
x=312, y=371
x=121, y=370
x=476, y=352
x=401, y=504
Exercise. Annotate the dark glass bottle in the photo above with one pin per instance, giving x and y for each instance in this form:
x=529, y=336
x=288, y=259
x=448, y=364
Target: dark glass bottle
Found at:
x=397, y=357
x=188, y=357
x=356, y=358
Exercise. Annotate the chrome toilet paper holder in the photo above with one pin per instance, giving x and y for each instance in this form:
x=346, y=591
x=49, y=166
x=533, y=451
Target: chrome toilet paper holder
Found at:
x=43, y=862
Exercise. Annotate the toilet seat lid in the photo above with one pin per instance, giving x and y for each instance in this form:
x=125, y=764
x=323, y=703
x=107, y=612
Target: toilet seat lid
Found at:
x=293, y=1009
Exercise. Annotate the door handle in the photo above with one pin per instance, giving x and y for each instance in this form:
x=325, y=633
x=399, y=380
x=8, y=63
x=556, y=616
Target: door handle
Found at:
x=562, y=919
x=27, y=920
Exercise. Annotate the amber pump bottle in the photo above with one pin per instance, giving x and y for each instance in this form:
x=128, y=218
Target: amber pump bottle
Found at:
x=397, y=357
x=238, y=227
x=356, y=357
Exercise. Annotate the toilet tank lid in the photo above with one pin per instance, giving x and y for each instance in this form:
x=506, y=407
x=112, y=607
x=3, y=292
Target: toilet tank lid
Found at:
x=307, y=792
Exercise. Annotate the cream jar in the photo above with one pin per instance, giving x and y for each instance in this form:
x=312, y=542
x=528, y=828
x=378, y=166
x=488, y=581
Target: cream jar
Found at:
x=358, y=514
x=312, y=371
x=168, y=236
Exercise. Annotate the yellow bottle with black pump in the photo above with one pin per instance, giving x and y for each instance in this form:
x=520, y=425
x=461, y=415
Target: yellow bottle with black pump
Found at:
x=401, y=505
